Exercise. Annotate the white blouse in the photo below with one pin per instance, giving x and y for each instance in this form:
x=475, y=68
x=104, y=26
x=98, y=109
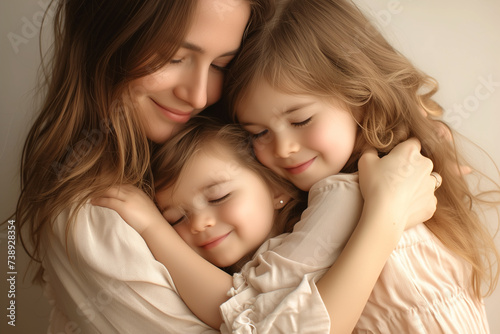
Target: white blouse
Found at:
x=102, y=278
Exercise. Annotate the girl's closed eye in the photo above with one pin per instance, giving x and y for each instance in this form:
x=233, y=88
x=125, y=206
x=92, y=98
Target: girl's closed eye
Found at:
x=220, y=200
x=302, y=123
x=259, y=134
x=180, y=220
x=175, y=217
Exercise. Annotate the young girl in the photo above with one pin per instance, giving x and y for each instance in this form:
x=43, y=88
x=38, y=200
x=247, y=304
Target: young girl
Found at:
x=316, y=86
x=224, y=205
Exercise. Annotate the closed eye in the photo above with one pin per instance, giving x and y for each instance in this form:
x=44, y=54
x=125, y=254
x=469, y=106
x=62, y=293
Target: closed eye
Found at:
x=180, y=220
x=303, y=123
x=220, y=199
x=260, y=134
x=219, y=68
x=175, y=61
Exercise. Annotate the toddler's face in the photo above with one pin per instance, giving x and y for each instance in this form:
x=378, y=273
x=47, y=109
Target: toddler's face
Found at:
x=221, y=209
x=300, y=137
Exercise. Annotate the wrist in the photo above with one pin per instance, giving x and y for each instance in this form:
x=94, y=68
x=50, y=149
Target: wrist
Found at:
x=154, y=225
x=380, y=220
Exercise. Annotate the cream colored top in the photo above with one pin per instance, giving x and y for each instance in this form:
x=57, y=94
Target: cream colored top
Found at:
x=423, y=287
x=105, y=280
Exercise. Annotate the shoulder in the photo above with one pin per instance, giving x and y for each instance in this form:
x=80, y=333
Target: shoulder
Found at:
x=89, y=220
x=98, y=238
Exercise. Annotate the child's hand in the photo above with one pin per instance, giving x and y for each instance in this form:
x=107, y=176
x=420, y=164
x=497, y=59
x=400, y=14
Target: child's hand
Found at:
x=400, y=182
x=133, y=205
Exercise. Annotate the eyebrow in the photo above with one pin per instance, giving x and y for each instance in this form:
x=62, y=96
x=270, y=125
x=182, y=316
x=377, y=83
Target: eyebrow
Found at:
x=196, y=48
x=215, y=184
x=296, y=107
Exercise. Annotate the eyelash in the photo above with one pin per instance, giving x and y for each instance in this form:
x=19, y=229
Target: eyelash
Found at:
x=296, y=124
x=215, y=67
x=303, y=123
x=214, y=201
x=219, y=68
x=220, y=199
x=178, y=221
x=258, y=135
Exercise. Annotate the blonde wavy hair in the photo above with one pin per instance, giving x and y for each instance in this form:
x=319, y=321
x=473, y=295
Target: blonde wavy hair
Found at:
x=330, y=49
x=205, y=134
x=87, y=136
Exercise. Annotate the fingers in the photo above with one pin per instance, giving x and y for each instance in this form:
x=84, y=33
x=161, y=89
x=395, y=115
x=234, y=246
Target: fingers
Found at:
x=120, y=192
x=107, y=202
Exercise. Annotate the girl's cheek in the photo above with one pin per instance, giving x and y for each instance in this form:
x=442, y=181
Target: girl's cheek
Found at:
x=263, y=154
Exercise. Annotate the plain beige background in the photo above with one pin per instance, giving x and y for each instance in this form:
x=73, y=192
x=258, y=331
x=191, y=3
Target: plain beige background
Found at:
x=456, y=41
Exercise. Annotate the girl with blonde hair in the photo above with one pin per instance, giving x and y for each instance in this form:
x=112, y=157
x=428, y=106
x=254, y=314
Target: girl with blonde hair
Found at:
x=315, y=87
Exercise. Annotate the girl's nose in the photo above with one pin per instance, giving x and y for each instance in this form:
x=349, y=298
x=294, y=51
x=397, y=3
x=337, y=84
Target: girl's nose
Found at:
x=201, y=221
x=285, y=145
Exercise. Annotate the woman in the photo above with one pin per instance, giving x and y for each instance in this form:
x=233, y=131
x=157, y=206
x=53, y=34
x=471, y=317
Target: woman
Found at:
x=125, y=75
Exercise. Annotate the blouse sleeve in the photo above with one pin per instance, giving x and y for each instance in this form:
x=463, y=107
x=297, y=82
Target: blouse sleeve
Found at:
x=102, y=278
x=277, y=288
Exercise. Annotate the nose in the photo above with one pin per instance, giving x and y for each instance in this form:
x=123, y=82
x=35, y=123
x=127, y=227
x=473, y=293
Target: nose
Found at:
x=200, y=221
x=285, y=145
x=194, y=87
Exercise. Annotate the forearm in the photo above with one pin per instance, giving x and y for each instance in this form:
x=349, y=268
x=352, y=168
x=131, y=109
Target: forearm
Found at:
x=347, y=285
x=201, y=285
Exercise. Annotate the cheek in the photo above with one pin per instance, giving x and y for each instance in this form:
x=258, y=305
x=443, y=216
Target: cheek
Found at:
x=265, y=156
x=153, y=82
x=319, y=138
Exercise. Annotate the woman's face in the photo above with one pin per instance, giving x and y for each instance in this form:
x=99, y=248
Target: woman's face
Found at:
x=220, y=208
x=192, y=80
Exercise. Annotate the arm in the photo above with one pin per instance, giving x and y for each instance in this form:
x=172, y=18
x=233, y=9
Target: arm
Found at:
x=398, y=192
x=202, y=286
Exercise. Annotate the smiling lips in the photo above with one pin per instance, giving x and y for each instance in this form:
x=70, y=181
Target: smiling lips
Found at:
x=173, y=114
x=214, y=242
x=299, y=168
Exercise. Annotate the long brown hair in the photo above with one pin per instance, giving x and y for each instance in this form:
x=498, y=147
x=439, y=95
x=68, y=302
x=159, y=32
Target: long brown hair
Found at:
x=202, y=134
x=87, y=136
x=330, y=49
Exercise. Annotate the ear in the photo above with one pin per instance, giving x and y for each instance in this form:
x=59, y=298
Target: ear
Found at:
x=280, y=200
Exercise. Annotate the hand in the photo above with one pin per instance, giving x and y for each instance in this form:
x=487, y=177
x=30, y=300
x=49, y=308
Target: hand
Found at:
x=133, y=205
x=400, y=182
